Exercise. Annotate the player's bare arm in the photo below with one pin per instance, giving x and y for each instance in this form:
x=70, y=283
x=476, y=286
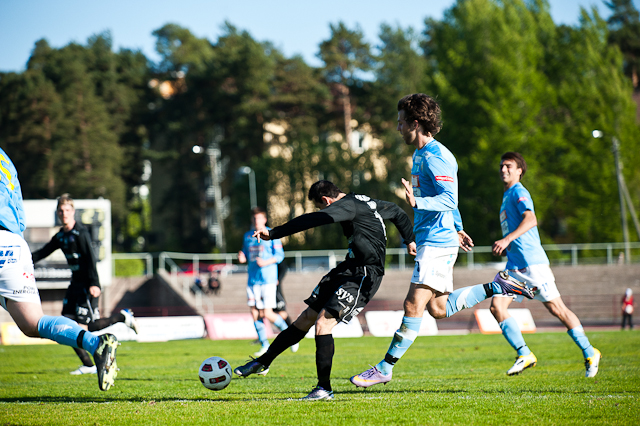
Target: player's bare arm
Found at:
x=262, y=234
x=411, y=248
x=466, y=243
x=408, y=192
x=528, y=221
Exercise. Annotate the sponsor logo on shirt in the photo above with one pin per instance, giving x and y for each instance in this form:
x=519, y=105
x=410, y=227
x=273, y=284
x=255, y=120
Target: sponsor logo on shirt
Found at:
x=522, y=199
x=444, y=178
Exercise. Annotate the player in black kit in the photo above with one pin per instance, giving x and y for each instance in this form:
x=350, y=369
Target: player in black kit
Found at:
x=346, y=289
x=81, y=299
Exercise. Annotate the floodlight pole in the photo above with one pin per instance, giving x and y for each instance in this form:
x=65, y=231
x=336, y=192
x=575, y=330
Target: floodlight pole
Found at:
x=252, y=184
x=623, y=212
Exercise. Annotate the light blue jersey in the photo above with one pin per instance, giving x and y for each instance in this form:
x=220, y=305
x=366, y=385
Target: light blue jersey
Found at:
x=265, y=250
x=434, y=177
x=11, y=208
x=525, y=250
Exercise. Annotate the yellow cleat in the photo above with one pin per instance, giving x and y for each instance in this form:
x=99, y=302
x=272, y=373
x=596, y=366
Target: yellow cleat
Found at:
x=592, y=363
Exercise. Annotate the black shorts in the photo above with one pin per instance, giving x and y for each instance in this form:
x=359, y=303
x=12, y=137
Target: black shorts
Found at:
x=79, y=306
x=344, y=292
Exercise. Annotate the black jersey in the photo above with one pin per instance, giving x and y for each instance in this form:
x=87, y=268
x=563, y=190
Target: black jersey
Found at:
x=76, y=246
x=362, y=222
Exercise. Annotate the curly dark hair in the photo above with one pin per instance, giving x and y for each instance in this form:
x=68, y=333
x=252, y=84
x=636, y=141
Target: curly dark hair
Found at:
x=323, y=188
x=518, y=158
x=424, y=109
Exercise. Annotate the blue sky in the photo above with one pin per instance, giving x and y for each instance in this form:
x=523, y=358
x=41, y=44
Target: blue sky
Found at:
x=294, y=26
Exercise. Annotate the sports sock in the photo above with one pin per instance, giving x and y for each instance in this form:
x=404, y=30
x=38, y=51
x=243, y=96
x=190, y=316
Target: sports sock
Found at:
x=467, y=297
x=512, y=333
x=262, y=332
x=284, y=340
x=578, y=336
x=67, y=332
x=84, y=357
x=325, y=348
x=402, y=339
x=101, y=323
x=288, y=321
x=280, y=323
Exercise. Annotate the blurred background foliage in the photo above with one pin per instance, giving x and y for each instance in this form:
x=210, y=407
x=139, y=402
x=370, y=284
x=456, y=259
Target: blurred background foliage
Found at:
x=95, y=123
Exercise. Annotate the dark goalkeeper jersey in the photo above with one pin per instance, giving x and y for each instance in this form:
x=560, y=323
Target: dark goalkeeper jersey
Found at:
x=362, y=220
x=76, y=246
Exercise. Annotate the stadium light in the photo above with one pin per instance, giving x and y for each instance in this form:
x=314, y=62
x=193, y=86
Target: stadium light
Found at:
x=246, y=170
x=197, y=149
x=623, y=194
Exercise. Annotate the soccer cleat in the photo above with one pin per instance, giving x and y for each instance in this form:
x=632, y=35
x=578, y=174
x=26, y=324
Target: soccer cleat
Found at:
x=83, y=369
x=318, y=394
x=294, y=348
x=263, y=350
x=371, y=377
x=522, y=363
x=129, y=320
x=252, y=367
x=592, y=363
x=105, y=359
x=512, y=287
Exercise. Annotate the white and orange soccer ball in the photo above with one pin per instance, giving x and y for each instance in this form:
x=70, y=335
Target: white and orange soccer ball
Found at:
x=215, y=373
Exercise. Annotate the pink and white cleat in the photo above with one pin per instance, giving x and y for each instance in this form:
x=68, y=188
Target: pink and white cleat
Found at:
x=371, y=377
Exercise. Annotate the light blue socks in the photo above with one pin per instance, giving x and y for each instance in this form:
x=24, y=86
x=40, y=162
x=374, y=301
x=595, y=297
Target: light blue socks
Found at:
x=467, y=297
x=578, y=336
x=262, y=332
x=280, y=323
x=66, y=332
x=402, y=340
x=512, y=333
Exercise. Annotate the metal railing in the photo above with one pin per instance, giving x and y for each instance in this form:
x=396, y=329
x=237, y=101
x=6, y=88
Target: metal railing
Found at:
x=147, y=257
x=480, y=256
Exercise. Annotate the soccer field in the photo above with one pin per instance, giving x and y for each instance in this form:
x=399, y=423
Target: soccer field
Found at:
x=441, y=380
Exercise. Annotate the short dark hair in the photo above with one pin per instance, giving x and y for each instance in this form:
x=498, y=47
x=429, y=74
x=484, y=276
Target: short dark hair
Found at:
x=323, y=188
x=258, y=210
x=424, y=109
x=518, y=158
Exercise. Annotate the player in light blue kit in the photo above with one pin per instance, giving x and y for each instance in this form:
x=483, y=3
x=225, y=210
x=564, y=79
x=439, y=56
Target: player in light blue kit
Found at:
x=433, y=194
x=19, y=293
x=527, y=262
x=263, y=257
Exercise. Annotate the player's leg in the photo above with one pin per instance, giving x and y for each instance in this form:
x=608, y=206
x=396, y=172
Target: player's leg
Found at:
x=125, y=315
x=511, y=331
x=254, y=300
x=325, y=349
x=284, y=340
x=76, y=307
x=591, y=355
x=270, y=302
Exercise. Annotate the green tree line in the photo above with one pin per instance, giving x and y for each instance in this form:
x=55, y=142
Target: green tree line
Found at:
x=87, y=120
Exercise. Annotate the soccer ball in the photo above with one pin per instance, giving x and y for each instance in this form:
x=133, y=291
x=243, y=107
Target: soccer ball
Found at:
x=215, y=373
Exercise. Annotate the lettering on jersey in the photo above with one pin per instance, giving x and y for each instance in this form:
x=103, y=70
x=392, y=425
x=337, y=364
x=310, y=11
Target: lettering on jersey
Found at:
x=522, y=199
x=6, y=173
x=415, y=181
x=444, y=179
x=365, y=199
x=504, y=225
x=26, y=290
x=9, y=254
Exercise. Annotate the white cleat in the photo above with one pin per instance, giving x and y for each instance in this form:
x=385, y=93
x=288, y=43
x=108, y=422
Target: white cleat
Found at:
x=83, y=369
x=129, y=320
x=522, y=363
x=294, y=348
x=262, y=351
x=592, y=364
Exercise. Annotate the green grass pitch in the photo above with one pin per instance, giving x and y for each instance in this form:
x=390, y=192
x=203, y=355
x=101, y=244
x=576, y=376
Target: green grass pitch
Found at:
x=441, y=380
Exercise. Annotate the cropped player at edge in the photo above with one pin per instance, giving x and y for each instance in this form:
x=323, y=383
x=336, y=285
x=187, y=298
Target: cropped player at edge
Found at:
x=528, y=262
x=433, y=194
x=347, y=288
x=19, y=293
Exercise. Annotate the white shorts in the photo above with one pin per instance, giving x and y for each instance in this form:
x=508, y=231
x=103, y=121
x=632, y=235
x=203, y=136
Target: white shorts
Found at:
x=262, y=296
x=434, y=267
x=539, y=276
x=17, y=281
